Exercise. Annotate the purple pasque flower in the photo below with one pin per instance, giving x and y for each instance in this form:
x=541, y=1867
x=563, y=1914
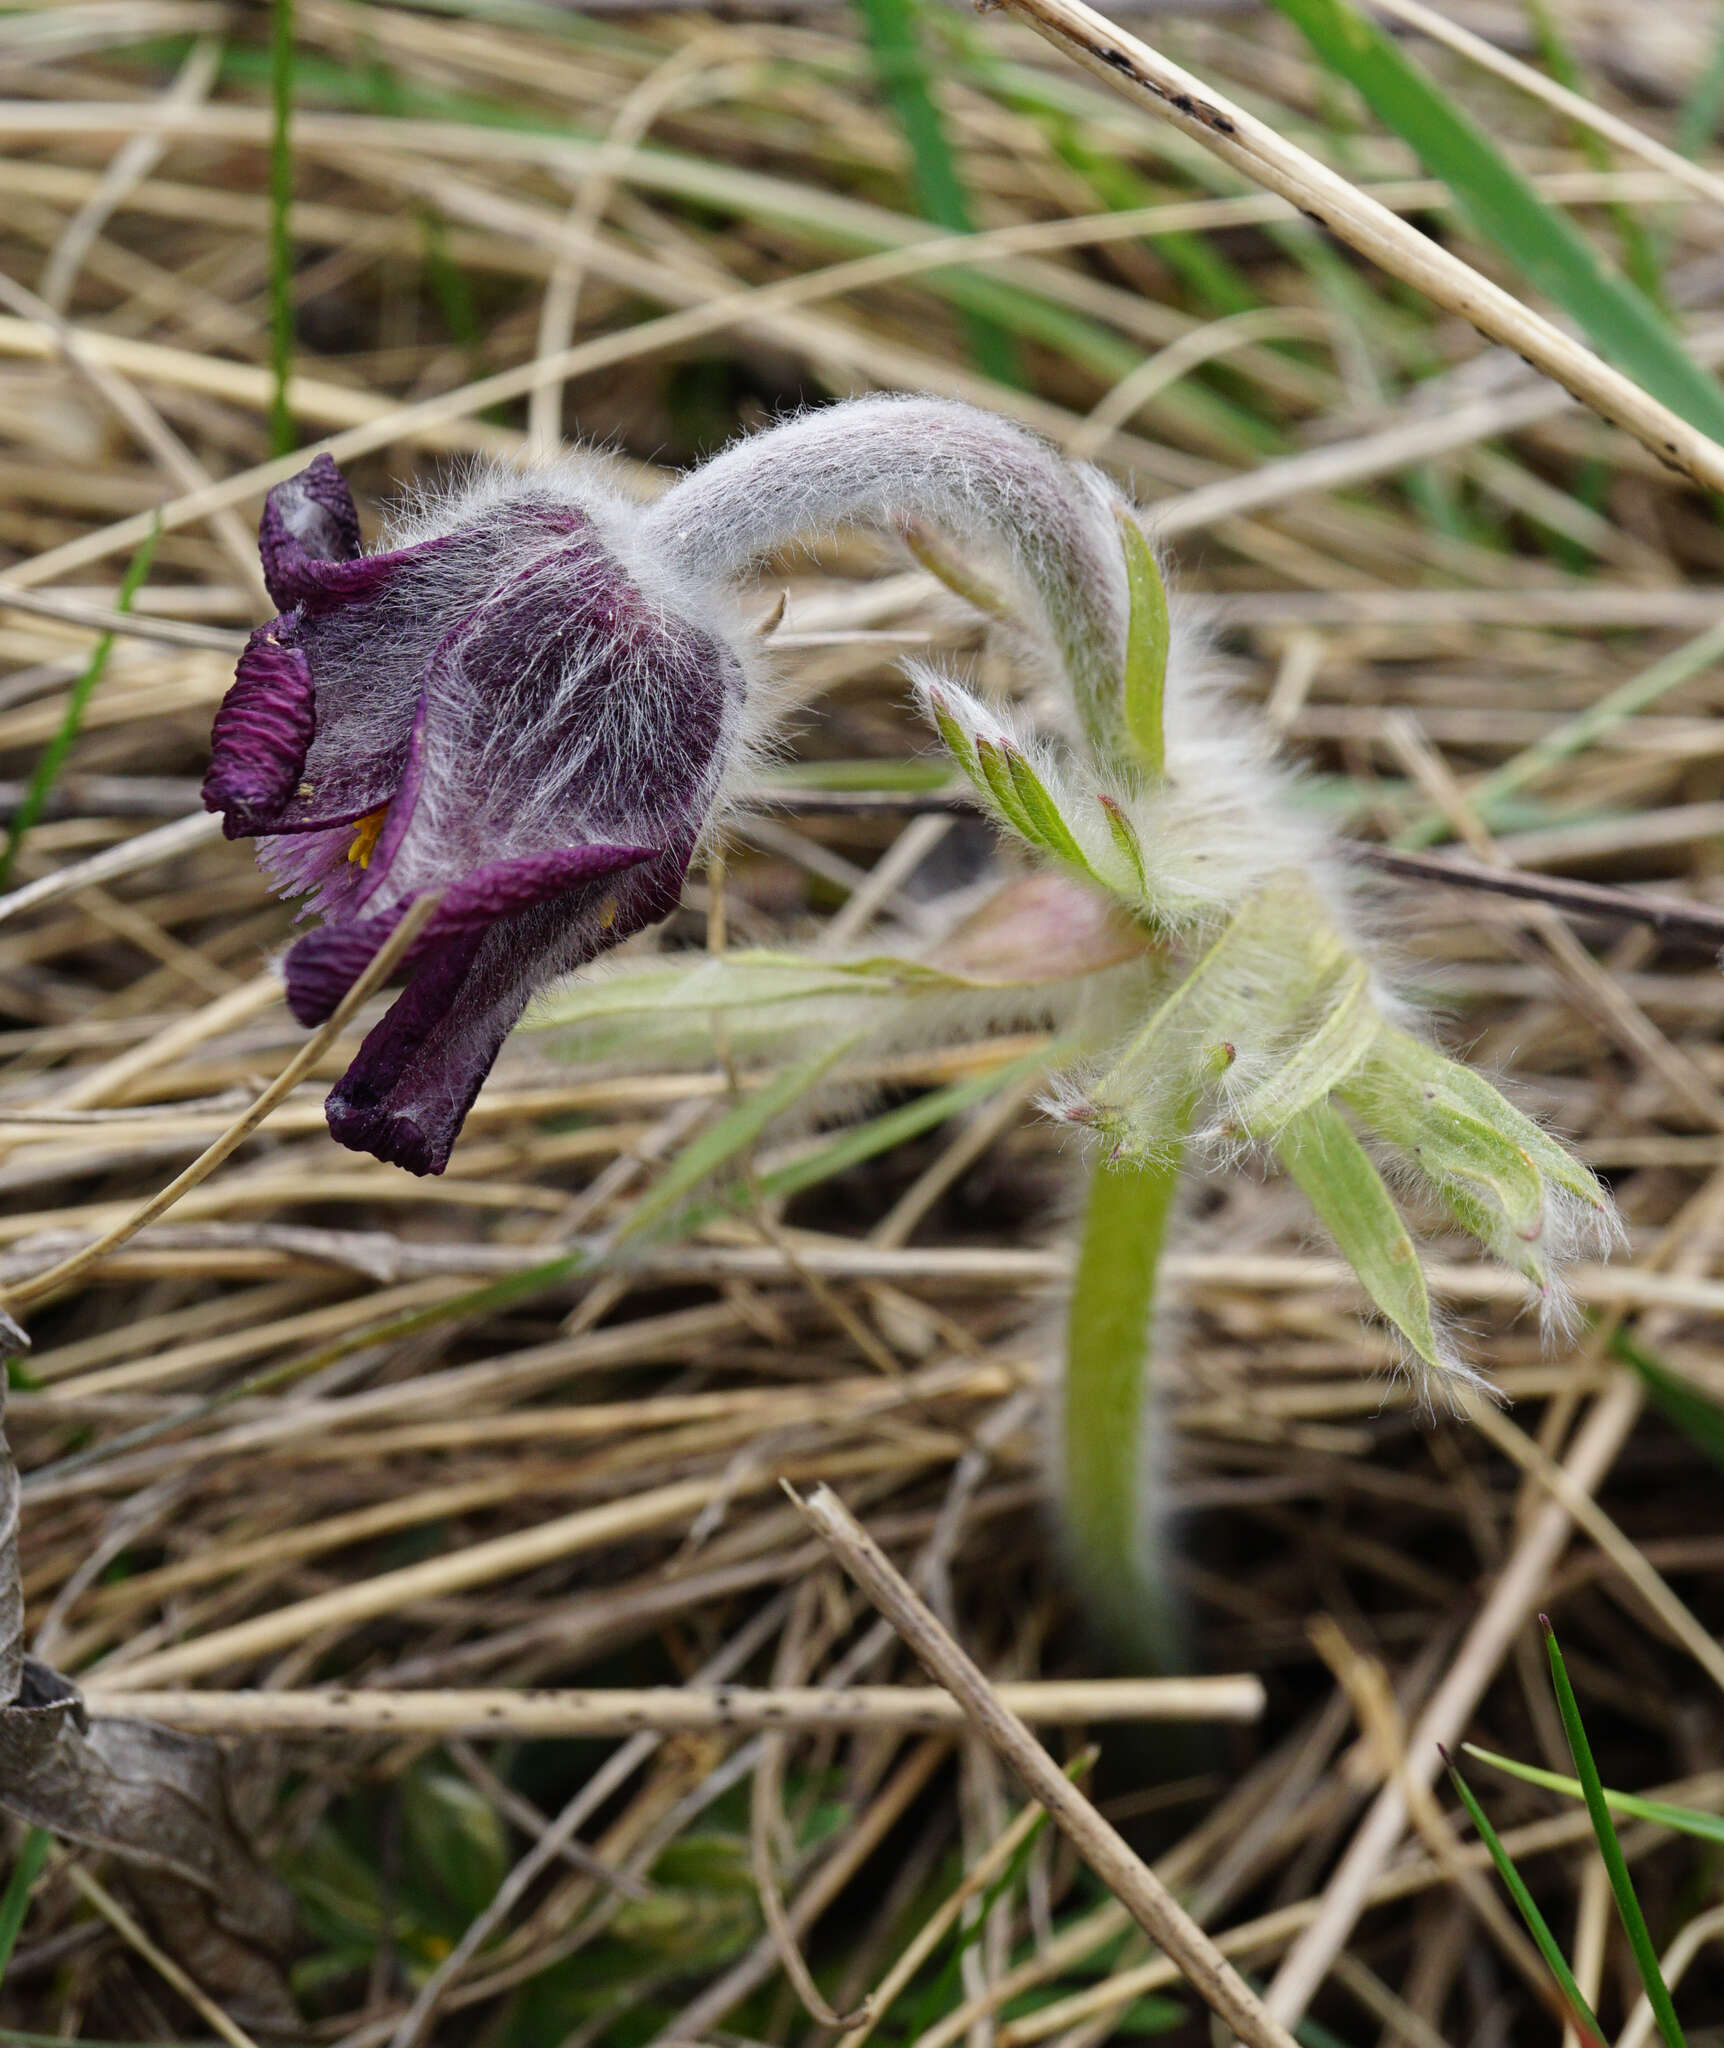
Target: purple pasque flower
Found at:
x=528, y=707
x=504, y=711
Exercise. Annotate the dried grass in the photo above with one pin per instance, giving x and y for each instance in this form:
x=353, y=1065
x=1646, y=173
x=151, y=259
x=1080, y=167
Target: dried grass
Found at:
x=310, y=1431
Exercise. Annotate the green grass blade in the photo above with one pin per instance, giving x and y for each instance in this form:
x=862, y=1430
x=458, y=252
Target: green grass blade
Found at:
x=1574, y=735
x=912, y=777
x=1615, y=1863
x=15, y=1901
x=1504, y=209
x=282, y=433
x=1585, y=2019
x=53, y=756
x=1698, y=121
x=1697, y=1416
x=734, y=1132
x=893, y=1127
x=1639, y=254
x=1683, y=1820
x=14, y=2037
x=901, y=69
x=830, y=220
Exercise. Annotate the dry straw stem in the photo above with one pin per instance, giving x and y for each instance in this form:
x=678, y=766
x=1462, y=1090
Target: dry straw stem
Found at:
x=1695, y=177
x=1262, y=1936
x=77, y=611
x=1143, y=75
x=388, y=958
x=932, y=1932
x=1628, y=1557
x=522, y=1550
x=1125, y=1874
x=127, y=1928
x=616, y=1710
x=147, y=849
x=1518, y=1588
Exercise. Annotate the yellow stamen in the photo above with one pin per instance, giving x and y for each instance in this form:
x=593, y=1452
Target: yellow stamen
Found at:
x=365, y=835
x=607, y=913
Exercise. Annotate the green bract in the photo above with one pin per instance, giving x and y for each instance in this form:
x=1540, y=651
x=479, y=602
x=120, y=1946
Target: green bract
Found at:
x=1270, y=1026
x=1214, y=989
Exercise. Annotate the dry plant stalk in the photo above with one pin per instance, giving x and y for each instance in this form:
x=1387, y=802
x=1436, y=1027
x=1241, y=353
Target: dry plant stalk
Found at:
x=1102, y=1847
x=239, y=1281
x=153, y=1797
x=617, y=1710
x=1143, y=75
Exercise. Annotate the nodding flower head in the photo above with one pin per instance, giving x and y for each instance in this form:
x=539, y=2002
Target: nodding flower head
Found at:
x=510, y=710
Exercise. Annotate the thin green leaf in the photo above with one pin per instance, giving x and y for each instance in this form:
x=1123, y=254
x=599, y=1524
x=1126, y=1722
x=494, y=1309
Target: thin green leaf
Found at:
x=283, y=435
x=1336, y=1176
x=1615, y=1863
x=1321, y=1061
x=734, y=1132
x=1505, y=210
x=53, y=756
x=998, y=781
x=15, y=1901
x=1682, y=1820
x=956, y=740
x=1051, y=828
x=1585, y=2020
x=865, y=1141
x=1694, y=1413
x=1405, y=1087
x=901, y=68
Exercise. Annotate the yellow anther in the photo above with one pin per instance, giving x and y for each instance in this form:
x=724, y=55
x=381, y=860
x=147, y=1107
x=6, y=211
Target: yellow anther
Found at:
x=607, y=913
x=365, y=835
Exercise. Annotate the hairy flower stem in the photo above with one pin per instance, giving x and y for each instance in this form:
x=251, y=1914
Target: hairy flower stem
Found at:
x=1106, y=1405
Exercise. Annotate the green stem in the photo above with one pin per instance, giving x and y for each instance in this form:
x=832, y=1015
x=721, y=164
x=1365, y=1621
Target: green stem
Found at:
x=1107, y=1404
x=282, y=433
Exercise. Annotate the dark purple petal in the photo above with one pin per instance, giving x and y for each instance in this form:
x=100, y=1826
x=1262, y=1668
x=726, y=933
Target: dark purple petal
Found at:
x=262, y=733
x=503, y=718
x=414, y=1079
x=565, y=700
x=310, y=518
x=411, y=1084
x=309, y=540
x=325, y=964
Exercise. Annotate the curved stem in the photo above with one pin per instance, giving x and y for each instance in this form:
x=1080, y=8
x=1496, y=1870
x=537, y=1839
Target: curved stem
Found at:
x=889, y=463
x=1107, y=1403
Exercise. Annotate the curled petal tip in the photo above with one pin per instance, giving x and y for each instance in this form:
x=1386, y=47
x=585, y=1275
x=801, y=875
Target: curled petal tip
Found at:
x=261, y=734
x=310, y=515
